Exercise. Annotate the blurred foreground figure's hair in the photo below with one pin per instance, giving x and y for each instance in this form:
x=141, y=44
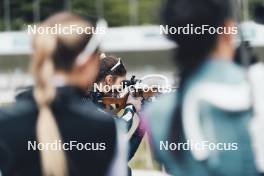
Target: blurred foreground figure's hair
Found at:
x=63, y=66
x=193, y=49
x=54, y=52
x=212, y=105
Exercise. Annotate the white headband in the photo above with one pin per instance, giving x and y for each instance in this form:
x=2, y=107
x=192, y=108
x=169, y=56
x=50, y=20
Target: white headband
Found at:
x=93, y=43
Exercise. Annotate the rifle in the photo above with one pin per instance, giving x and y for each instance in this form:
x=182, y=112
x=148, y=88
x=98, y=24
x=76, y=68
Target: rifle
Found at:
x=137, y=91
x=121, y=102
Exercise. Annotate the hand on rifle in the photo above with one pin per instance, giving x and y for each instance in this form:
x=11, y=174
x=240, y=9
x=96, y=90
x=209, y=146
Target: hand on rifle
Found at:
x=135, y=101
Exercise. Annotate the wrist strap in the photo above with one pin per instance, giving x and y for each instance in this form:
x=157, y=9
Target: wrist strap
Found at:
x=131, y=107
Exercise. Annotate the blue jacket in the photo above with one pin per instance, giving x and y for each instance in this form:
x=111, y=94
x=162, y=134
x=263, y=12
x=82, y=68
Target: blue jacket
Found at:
x=216, y=109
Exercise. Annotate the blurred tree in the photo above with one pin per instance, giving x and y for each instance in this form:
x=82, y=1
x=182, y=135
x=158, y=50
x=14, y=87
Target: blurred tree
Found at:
x=20, y=13
x=149, y=11
x=252, y=6
x=84, y=7
x=116, y=12
x=48, y=7
x=2, y=27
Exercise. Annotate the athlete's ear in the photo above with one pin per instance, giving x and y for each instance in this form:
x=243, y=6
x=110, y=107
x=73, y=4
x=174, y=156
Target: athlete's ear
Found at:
x=109, y=80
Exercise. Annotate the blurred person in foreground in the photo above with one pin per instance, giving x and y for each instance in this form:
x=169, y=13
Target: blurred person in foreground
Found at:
x=208, y=117
x=54, y=117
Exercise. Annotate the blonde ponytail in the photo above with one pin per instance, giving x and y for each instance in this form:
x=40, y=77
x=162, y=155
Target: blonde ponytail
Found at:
x=53, y=163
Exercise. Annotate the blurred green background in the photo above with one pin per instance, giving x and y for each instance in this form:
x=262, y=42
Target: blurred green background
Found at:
x=16, y=14
x=116, y=12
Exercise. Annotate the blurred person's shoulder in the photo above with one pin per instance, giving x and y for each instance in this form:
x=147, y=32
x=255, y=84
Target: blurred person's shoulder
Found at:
x=23, y=93
x=221, y=71
x=164, y=102
x=24, y=106
x=222, y=85
x=95, y=119
x=18, y=109
x=88, y=110
x=17, y=118
x=83, y=108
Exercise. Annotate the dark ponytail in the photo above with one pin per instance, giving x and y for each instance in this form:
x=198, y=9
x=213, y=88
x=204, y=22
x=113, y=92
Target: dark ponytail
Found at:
x=193, y=49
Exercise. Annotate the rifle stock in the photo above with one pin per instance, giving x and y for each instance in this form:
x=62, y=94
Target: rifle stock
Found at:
x=120, y=103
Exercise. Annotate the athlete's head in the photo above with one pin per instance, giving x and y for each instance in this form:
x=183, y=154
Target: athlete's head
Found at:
x=111, y=71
